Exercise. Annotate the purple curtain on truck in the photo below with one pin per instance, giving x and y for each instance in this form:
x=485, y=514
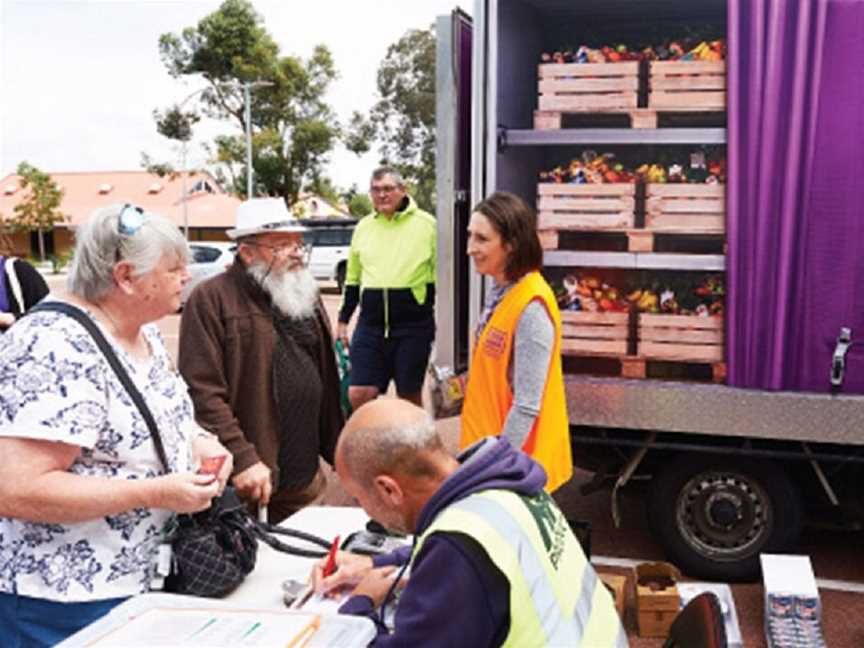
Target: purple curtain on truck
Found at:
x=795, y=223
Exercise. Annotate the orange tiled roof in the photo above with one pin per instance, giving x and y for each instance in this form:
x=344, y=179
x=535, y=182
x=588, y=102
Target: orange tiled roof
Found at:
x=88, y=190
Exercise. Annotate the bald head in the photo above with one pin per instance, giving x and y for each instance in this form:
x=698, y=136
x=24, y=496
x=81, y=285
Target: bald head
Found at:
x=389, y=436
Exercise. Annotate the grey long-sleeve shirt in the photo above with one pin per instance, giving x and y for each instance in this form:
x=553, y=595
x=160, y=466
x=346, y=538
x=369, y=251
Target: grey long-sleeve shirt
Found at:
x=533, y=343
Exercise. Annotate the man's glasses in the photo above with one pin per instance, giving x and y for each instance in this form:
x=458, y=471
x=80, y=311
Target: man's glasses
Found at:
x=386, y=189
x=299, y=248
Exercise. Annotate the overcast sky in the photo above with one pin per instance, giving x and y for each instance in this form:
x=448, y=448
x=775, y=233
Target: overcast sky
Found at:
x=79, y=79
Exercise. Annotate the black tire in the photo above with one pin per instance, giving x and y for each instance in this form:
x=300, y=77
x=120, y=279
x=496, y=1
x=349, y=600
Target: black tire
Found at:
x=340, y=277
x=714, y=516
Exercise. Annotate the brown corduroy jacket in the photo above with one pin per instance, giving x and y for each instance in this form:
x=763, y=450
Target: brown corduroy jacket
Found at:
x=227, y=340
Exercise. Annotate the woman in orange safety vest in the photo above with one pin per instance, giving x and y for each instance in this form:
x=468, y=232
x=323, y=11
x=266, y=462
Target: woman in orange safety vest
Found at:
x=515, y=383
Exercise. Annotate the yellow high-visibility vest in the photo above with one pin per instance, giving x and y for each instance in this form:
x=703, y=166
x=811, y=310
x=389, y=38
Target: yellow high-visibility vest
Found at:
x=556, y=598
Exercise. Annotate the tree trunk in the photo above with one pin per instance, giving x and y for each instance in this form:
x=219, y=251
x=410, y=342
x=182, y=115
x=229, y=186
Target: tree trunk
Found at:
x=41, y=245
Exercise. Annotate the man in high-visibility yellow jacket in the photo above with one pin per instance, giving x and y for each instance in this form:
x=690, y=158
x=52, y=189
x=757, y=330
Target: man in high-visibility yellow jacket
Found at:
x=390, y=274
x=494, y=562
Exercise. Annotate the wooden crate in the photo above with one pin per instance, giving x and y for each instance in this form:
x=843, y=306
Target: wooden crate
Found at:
x=687, y=86
x=583, y=207
x=584, y=88
x=594, y=334
x=685, y=208
x=680, y=338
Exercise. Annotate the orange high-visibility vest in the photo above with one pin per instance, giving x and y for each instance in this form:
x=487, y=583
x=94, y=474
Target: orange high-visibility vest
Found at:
x=489, y=395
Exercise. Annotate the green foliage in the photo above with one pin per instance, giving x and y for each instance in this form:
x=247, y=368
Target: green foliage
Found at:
x=39, y=210
x=403, y=119
x=175, y=124
x=294, y=129
x=60, y=261
x=360, y=205
x=161, y=169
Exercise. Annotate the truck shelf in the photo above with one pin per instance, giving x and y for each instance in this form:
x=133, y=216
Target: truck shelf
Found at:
x=635, y=260
x=531, y=137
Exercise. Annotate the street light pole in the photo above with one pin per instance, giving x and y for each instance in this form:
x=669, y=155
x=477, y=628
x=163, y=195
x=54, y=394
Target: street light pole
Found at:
x=247, y=100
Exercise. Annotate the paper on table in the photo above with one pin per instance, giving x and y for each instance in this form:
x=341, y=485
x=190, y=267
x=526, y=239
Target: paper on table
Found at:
x=214, y=628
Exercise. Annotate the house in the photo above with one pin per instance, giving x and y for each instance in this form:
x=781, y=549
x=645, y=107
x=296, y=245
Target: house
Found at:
x=310, y=205
x=208, y=210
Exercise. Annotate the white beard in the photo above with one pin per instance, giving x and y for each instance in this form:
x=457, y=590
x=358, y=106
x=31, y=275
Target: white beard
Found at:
x=294, y=292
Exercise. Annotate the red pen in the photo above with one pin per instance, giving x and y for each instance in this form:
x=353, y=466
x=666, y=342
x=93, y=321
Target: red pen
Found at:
x=330, y=565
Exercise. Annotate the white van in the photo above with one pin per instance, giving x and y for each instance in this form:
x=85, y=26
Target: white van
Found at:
x=330, y=240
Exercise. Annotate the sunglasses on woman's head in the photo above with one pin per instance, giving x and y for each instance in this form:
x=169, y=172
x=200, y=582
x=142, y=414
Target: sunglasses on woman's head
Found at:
x=130, y=220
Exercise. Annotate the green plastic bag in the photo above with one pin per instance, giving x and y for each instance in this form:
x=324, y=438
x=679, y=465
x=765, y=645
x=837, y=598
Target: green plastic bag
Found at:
x=343, y=365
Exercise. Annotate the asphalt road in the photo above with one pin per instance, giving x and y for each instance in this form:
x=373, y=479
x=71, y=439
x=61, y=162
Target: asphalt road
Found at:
x=835, y=555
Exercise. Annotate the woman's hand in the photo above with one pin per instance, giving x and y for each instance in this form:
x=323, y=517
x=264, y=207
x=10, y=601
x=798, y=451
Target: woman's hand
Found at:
x=205, y=445
x=351, y=568
x=185, y=492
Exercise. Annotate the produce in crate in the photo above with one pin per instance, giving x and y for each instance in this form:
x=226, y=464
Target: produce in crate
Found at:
x=588, y=293
x=673, y=50
x=677, y=298
x=590, y=168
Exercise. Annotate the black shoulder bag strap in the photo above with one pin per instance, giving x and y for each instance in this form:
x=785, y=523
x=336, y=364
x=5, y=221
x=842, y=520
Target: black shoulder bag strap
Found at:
x=81, y=317
x=262, y=530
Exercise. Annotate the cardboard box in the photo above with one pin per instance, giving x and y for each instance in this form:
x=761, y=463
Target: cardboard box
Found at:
x=657, y=598
x=616, y=585
x=793, y=611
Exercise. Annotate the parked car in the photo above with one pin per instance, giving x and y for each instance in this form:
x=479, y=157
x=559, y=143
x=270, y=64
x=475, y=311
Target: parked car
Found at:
x=330, y=240
x=209, y=258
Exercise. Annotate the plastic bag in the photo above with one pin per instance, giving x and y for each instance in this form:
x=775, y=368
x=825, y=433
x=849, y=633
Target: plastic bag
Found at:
x=343, y=366
x=447, y=389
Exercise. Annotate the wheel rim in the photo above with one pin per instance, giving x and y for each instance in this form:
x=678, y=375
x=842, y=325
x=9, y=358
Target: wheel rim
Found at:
x=724, y=515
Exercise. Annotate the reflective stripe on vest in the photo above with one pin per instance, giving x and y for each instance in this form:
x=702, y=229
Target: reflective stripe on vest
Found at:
x=551, y=604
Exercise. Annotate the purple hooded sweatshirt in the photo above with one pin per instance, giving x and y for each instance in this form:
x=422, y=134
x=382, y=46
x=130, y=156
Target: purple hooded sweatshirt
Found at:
x=455, y=595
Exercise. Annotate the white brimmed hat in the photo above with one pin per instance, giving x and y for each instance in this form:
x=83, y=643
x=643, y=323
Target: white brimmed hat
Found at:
x=260, y=215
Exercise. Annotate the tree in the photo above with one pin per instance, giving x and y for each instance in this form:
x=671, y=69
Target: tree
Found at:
x=360, y=205
x=38, y=211
x=402, y=120
x=294, y=129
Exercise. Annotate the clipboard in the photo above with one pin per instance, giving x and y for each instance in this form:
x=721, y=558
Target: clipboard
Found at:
x=343, y=631
x=214, y=628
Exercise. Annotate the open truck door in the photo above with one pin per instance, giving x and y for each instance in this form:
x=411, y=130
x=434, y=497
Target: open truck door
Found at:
x=455, y=181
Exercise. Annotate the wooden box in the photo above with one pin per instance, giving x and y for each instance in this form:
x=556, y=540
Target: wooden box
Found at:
x=616, y=584
x=584, y=207
x=656, y=608
x=685, y=208
x=588, y=87
x=687, y=86
x=681, y=338
x=594, y=334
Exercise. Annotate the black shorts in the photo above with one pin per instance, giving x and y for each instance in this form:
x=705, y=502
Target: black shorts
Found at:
x=376, y=360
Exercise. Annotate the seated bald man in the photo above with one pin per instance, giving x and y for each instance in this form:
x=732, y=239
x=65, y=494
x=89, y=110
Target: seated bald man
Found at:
x=493, y=562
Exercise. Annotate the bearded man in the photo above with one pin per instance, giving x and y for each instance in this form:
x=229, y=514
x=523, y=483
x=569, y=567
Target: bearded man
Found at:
x=257, y=352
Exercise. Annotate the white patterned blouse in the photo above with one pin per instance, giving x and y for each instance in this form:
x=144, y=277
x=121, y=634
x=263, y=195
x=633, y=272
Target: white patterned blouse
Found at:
x=56, y=385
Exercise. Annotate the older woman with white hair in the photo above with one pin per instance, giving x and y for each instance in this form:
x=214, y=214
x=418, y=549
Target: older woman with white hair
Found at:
x=84, y=496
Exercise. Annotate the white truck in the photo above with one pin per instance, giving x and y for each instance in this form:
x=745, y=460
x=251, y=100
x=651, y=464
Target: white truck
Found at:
x=730, y=472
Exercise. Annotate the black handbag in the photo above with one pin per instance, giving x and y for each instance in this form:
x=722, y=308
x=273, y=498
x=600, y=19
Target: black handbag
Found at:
x=215, y=549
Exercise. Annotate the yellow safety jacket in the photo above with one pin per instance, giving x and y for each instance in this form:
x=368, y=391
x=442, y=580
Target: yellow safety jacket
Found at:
x=489, y=395
x=556, y=598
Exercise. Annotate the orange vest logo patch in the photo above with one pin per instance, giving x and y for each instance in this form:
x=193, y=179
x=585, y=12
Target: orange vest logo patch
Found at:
x=495, y=342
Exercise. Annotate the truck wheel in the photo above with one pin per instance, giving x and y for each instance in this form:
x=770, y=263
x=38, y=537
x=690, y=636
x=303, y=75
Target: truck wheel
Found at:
x=340, y=277
x=715, y=516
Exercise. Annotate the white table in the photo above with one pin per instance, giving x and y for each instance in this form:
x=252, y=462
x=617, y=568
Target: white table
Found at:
x=262, y=589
